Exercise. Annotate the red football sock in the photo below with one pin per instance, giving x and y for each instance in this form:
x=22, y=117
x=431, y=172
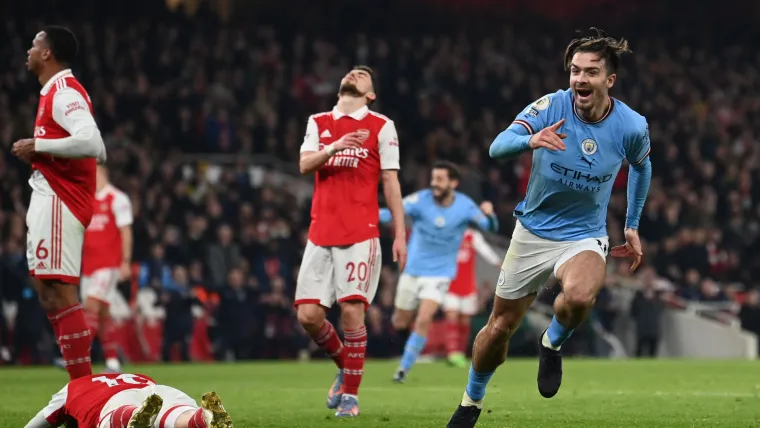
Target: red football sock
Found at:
x=354, y=354
x=197, y=421
x=120, y=417
x=74, y=339
x=107, y=332
x=464, y=333
x=453, y=341
x=327, y=339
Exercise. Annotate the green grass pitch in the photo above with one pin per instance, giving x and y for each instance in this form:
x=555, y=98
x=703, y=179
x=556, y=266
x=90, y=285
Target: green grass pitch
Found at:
x=595, y=394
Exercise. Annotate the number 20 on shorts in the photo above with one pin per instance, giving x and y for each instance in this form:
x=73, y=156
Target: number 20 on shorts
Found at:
x=358, y=271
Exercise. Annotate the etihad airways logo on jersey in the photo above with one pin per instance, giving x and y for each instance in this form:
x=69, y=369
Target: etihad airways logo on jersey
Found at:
x=580, y=180
x=347, y=158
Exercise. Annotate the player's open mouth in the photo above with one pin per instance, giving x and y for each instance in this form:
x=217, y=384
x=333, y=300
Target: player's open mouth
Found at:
x=583, y=94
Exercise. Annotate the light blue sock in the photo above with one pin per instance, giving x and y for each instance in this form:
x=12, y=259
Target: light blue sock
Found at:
x=476, y=384
x=557, y=333
x=414, y=346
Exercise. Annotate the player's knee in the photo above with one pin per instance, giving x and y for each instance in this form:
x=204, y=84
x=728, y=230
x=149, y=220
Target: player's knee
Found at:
x=310, y=316
x=352, y=314
x=579, y=296
x=92, y=306
x=47, y=302
x=503, y=326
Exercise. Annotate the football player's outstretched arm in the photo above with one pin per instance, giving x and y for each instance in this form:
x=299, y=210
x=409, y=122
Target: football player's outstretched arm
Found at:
x=537, y=126
x=39, y=421
x=409, y=206
x=484, y=249
x=49, y=417
x=484, y=216
x=71, y=111
x=312, y=158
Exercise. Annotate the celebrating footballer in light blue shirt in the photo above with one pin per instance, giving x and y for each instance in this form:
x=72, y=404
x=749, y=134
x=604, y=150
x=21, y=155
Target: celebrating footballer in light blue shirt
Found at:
x=440, y=216
x=580, y=137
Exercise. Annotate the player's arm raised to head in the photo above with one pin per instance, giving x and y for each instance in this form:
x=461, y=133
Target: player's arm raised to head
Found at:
x=387, y=142
x=72, y=113
x=637, y=149
x=536, y=117
x=52, y=414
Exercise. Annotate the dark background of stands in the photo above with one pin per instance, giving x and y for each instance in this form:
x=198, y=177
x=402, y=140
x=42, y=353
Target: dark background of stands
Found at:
x=235, y=81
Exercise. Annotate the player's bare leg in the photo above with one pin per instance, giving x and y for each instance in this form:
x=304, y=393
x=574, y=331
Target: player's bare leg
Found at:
x=355, y=336
x=581, y=277
x=211, y=414
x=110, y=347
x=416, y=342
x=323, y=333
x=61, y=304
x=143, y=416
x=454, y=337
x=98, y=316
x=489, y=352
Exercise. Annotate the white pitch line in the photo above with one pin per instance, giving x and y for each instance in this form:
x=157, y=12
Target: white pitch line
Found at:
x=571, y=393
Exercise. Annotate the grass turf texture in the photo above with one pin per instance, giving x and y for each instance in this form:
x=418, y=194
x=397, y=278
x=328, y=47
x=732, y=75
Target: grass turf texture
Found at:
x=595, y=393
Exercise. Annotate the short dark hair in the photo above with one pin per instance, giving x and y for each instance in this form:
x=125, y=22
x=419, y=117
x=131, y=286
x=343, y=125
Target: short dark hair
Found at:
x=372, y=79
x=451, y=169
x=62, y=42
x=599, y=43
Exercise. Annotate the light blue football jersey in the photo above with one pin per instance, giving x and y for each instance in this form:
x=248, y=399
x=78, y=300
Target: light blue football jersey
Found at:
x=437, y=231
x=569, y=191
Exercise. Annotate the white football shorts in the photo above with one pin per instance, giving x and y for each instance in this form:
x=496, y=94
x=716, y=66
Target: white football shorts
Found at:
x=413, y=289
x=330, y=274
x=466, y=305
x=54, y=240
x=100, y=285
x=531, y=260
x=176, y=403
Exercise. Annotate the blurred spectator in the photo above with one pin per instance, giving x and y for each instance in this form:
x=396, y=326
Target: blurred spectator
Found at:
x=749, y=314
x=237, y=318
x=188, y=105
x=647, y=308
x=222, y=256
x=178, y=302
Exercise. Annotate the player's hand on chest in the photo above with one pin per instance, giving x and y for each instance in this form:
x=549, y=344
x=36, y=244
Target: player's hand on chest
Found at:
x=356, y=145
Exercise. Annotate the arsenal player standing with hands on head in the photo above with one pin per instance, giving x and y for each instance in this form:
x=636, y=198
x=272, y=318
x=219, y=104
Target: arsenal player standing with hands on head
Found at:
x=63, y=155
x=349, y=150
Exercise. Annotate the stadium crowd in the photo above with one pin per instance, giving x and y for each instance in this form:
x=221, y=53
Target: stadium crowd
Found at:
x=227, y=246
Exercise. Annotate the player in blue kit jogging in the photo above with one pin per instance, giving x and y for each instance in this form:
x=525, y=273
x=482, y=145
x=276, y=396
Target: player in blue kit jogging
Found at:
x=580, y=138
x=440, y=215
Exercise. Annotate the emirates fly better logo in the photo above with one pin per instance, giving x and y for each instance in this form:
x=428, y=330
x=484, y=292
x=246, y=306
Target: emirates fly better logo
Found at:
x=350, y=158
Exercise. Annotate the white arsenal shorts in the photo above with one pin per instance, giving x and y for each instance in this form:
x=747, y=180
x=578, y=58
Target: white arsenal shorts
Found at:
x=330, y=274
x=531, y=260
x=176, y=403
x=413, y=289
x=466, y=305
x=54, y=240
x=100, y=285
